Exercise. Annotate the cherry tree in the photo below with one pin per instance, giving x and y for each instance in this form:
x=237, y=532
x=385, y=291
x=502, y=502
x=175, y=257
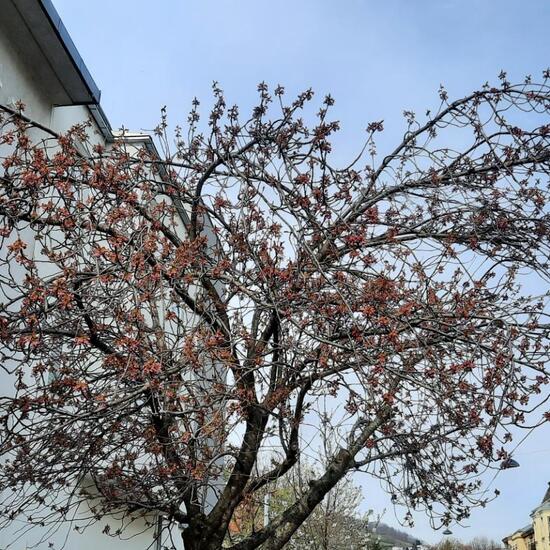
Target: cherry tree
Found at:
x=167, y=318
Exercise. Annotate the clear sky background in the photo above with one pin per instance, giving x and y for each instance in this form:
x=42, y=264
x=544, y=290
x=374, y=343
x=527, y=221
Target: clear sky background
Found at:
x=376, y=58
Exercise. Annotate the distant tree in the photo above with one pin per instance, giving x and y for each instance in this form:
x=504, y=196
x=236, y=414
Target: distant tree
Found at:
x=477, y=543
x=483, y=543
x=165, y=319
x=375, y=543
x=450, y=544
x=334, y=524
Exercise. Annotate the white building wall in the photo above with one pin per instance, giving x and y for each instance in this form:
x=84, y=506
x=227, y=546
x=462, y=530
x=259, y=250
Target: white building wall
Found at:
x=23, y=78
x=19, y=82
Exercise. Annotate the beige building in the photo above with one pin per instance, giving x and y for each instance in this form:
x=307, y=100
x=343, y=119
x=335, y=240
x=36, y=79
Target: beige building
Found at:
x=536, y=535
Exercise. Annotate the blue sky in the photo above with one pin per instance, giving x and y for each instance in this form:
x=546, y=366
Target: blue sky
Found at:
x=375, y=57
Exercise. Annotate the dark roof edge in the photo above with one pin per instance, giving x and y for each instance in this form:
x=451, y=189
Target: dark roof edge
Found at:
x=102, y=122
x=66, y=41
x=546, y=497
x=70, y=48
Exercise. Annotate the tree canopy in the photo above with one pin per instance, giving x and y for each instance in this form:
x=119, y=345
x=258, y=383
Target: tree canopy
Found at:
x=165, y=317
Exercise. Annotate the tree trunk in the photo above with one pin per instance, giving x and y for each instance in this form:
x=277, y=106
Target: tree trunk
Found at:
x=197, y=537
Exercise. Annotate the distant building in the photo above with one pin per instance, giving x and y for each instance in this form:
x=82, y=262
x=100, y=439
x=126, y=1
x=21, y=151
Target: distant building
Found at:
x=536, y=535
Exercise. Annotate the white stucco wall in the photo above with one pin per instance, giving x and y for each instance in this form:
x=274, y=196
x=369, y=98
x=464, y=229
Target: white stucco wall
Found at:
x=18, y=81
x=24, y=76
x=137, y=535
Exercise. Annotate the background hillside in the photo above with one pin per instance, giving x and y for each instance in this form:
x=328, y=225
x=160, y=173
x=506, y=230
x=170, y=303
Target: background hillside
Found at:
x=392, y=537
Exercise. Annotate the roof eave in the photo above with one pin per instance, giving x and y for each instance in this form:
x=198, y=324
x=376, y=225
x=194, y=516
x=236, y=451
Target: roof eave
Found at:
x=89, y=92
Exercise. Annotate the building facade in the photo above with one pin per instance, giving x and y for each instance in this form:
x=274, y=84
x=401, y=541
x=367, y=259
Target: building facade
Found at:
x=535, y=535
x=41, y=67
